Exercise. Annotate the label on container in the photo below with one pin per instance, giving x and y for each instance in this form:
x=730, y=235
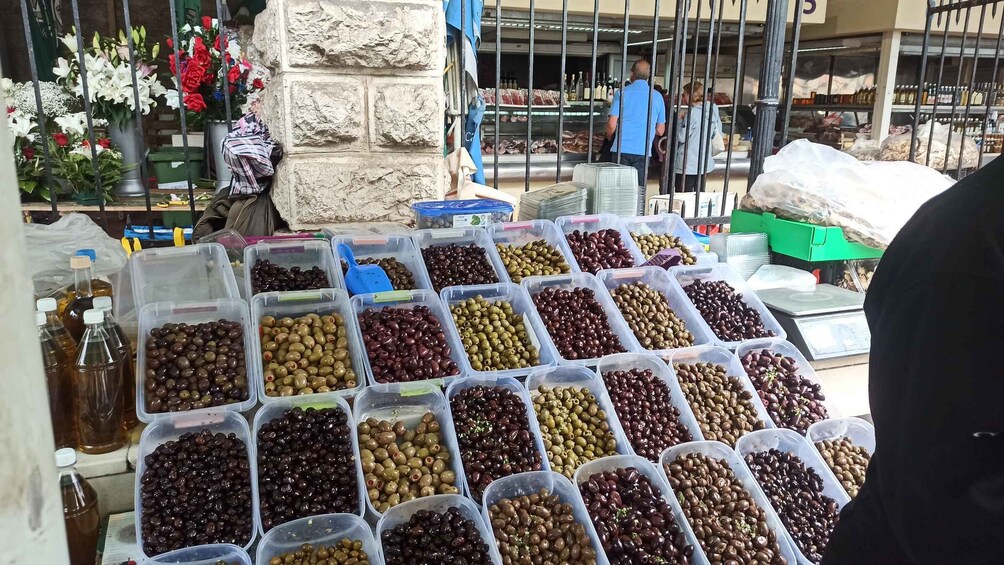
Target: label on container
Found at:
x=467, y=220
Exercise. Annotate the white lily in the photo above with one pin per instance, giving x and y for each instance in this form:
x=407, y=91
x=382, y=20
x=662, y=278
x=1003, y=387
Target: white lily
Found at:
x=72, y=123
x=62, y=68
x=70, y=41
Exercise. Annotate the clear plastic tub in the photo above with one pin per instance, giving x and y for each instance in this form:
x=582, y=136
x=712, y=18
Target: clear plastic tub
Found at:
x=306, y=254
x=202, y=555
x=683, y=276
x=409, y=407
x=156, y=315
x=665, y=224
x=461, y=213
x=324, y=530
x=463, y=236
x=439, y=503
x=858, y=431
x=507, y=383
x=661, y=281
x=234, y=243
x=643, y=361
x=718, y=450
x=656, y=478
x=173, y=426
x=408, y=299
x=274, y=410
x=592, y=224
x=526, y=484
x=194, y=273
x=400, y=247
x=521, y=305
x=521, y=233
x=533, y=285
x=299, y=303
x=791, y=442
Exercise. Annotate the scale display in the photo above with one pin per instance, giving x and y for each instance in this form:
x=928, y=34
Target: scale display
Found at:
x=834, y=335
x=824, y=323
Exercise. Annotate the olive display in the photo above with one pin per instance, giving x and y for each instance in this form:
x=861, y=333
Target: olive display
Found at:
x=729, y=316
x=793, y=401
x=599, y=250
x=401, y=277
x=427, y=221
x=453, y=265
x=493, y=433
x=641, y=400
x=539, y=528
x=651, y=244
x=633, y=521
x=435, y=537
x=345, y=552
x=796, y=493
x=495, y=337
x=577, y=323
x=305, y=355
x=196, y=490
x=306, y=466
x=266, y=276
x=723, y=408
x=848, y=462
x=573, y=426
x=536, y=258
x=727, y=521
x=194, y=366
x=406, y=344
x=402, y=464
x=649, y=315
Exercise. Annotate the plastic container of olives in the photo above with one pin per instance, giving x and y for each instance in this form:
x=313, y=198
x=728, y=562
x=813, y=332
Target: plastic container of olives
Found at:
x=787, y=349
x=660, y=280
x=409, y=299
x=202, y=555
x=325, y=530
x=591, y=224
x=400, y=247
x=194, y=273
x=463, y=236
x=521, y=233
x=298, y=303
x=683, y=276
x=533, y=285
x=526, y=484
x=305, y=254
x=859, y=431
x=408, y=406
x=718, y=450
x=175, y=425
x=156, y=315
x=440, y=503
x=658, y=480
x=522, y=305
x=789, y=441
x=665, y=224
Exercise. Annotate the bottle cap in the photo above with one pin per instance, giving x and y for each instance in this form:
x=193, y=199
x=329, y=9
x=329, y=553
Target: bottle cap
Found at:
x=46, y=304
x=89, y=253
x=80, y=262
x=66, y=457
x=102, y=303
x=92, y=317
x=40, y=318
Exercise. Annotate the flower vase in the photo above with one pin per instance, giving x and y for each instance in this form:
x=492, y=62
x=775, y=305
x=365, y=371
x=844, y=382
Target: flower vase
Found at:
x=126, y=137
x=216, y=132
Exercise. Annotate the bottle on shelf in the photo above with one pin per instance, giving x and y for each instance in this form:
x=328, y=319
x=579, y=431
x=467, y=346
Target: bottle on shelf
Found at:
x=80, y=509
x=587, y=90
x=59, y=383
x=83, y=296
x=579, y=87
x=55, y=327
x=121, y=342
x=97, y=381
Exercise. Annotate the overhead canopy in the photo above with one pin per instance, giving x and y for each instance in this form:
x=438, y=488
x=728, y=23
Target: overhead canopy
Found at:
x=813, y=11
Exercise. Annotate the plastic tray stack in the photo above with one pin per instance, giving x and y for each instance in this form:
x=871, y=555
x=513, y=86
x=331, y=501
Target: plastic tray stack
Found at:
x=613, y=188
x=744, y=252
x=548, y=203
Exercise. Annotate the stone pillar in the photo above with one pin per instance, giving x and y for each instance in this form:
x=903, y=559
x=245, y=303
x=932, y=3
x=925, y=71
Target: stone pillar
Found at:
x=356, y=99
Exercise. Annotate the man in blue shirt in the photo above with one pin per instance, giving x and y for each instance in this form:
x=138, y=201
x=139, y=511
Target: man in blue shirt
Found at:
x=635, y=145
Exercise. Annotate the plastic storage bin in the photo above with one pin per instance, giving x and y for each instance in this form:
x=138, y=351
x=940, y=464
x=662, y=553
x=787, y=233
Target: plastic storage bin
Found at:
x=658, y=279
x=521, y=233
x=323, y=530
x=507, y=383
x=194, y=273
x=791, y=442
x=400, y=247
x=299, y=303
x=802, y=240
x=460, y=213
x=665, y=224
x=629, y=361
x=656, y=478
x=533, y=285
x=858, y=431
x=521, y=305
x=593, y=224
x=683, y=276
x=170, y=167
x=409, y=407
x=173, y=426
x=439, y=503
x=409, y=299
x=202, y=555
x=720, y=451
x=464, y=237
x=305, y=254
x=156, y=315
x=526, y=484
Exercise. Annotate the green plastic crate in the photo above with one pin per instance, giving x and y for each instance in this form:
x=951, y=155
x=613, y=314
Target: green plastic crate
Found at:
x=169, y=164
x=802, y=240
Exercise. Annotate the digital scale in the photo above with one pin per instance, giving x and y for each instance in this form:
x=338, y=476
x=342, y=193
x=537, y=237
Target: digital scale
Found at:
x=825, y=324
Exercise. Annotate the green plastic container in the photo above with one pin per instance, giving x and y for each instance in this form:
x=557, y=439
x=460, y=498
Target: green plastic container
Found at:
x=169, y=164
x=802, y=240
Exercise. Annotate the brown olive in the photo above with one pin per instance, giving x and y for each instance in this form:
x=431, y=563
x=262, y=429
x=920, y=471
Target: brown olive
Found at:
x=539, y=528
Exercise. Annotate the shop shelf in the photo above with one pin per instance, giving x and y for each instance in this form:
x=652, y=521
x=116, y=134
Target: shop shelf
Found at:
x=202, y=555
x=305, y=254
x=464, y=237
x=592, y=224
x=521, y=233
x=400, y=247
x=324, y=530
x=802, y=240
x=665, y=224
x=194, y=273
x=439, y=503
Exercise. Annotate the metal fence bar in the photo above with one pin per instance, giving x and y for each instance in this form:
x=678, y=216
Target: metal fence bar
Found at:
x=992, y=95
x=621, y=79
x=498, y=89
x=462, y=107
x=921, y=82
x=679, y=63
x=686, y=115
x=767, y=95
x=181, y=105
x=735, y=99
x=937, y=87
x=704, y=148
x=648, y=110
x=529, y=97
x=75, y=8
x=592, y=99
x=138, y=115
x=789, y=83
x=955, y=93
x=561, y=94
x=969, y=91
x=224, y=40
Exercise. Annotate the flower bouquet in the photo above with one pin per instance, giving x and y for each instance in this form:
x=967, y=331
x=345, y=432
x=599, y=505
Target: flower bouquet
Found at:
x=73, y=160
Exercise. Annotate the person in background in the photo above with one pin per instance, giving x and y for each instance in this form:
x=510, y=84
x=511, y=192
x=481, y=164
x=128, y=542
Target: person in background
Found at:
x=634, y=142
x=694, y=157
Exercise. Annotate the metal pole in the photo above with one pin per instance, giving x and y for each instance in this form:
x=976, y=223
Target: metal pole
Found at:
x=676, y=80
x=789, y=85
x=224, y=68
x=620, y=107
x=956, y=94
x=921, y=82
x=969, y=92
x=648, y=111
x=561, y=95
x=937, y=88
x=462, y=67
x=735, y=99
x=75, y=8
x=704, y=149
x=992, y=95
x=770, y=78
x=498, y=89
x=529, y=97
x=181, y=106
x=138, y=116
x=592, y=101
x=693, y=78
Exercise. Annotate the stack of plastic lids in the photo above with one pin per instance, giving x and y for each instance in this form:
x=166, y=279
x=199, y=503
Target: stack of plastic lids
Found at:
x=548, y=203
x=744, y=252
x=613, y=188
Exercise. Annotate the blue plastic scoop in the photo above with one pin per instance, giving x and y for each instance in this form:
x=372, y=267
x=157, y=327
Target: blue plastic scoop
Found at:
x=363, y=279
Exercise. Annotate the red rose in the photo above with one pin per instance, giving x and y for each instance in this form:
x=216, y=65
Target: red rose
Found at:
x=192, y=76
x=207, y=22
x=170, y=43
x=85, y=143
x=10, y=109
x=234, y=73
x=216, y=43
x=201, y=54
x=28, y=152
x=104, y=142
x=194, y=102
x=61, y=139
x=233, y=89
x=257, y=83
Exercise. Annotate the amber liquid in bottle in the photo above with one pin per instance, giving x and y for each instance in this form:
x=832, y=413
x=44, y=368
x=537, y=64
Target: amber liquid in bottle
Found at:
x=80, y=512
x=121, y=343
x=97, y=380
x=60, y=386
x=57, y=330
x=83, y=297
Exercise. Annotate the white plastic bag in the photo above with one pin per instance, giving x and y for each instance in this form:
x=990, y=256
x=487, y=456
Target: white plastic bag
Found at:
x=781, y=276
x=897, y=148
x=864, y=149
x=49, y=248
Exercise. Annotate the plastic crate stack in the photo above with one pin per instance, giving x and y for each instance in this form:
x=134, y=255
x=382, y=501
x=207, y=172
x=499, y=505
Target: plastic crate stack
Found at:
x=613, y=188
x=549, y=203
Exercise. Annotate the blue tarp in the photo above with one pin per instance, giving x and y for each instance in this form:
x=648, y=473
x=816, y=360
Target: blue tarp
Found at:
x=476, y=110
